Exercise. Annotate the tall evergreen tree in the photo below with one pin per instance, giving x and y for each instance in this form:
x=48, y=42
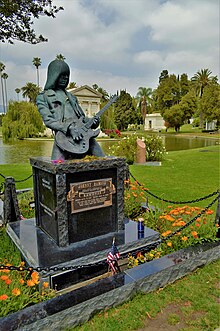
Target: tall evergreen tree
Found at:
x=124, y=112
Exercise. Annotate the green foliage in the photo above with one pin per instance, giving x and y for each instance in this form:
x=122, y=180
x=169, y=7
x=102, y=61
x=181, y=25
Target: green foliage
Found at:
x=24, y=200
x=210, y=102
x=31, y=91
x=17, y=289
x=124, y=111
x=17, y=19
x=125, y=147
x=155, y=149
x=21, y=121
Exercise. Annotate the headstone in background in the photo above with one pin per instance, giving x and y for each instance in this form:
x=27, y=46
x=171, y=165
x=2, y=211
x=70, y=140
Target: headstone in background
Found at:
x=141, y=151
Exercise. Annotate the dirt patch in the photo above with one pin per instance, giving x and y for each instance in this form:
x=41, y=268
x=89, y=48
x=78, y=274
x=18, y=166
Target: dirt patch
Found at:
x=170, y=319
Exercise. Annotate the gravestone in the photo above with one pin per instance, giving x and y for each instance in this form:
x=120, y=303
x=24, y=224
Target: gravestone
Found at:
x=76, y=201
x=141, y=151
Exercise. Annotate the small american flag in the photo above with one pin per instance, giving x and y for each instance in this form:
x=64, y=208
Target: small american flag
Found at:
x=113, y=257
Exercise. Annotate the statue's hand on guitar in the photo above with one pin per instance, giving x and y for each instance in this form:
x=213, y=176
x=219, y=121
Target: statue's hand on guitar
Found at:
x=75, y=133
x=96, y=121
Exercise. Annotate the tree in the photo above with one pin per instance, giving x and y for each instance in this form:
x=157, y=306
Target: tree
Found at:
x=144, y=100
x=180, y=113
x=2, y=68
x=124, y=112
x=5, y=77
x=60, y=57
x=18, y=90
x=71, y=85
x=21, y=121
x=16, y=19
x=174, y=116
x=167, y=94
x=210, y=103
x=200, y=80
x=164, y=74
x=37, y=63
x=31, y=91
x=104, y=93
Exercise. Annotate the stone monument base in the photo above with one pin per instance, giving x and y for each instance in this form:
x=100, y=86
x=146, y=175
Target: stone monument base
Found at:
x=39, y=250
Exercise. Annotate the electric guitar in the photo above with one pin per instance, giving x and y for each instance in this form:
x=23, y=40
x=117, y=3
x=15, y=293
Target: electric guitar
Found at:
x=66, y=142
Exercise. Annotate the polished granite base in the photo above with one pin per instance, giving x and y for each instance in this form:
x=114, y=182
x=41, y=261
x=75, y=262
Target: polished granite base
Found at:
x=77, y=306
x=39, y=250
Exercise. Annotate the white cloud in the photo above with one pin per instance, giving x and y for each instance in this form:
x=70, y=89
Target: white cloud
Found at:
x=120, y=44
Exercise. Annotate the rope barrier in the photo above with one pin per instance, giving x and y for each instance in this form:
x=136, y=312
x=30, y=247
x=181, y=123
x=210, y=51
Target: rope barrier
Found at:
x=175, y=202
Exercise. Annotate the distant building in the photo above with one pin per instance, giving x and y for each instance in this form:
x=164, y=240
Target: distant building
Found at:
x=88, y=98
x=154, y=122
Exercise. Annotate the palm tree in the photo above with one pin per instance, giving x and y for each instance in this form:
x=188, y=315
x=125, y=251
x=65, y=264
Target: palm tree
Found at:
x=60, y=57
x=144, y=99
x=2, y=68
x=5, y=76
x=37, y=63
x=31, y=91
x=18, y=90
x=71, y=85
x=200, y=80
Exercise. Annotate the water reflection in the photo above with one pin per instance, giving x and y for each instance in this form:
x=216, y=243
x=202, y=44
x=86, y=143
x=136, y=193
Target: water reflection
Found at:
x=21, y=150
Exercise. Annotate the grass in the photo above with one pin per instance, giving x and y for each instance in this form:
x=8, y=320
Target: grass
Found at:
x=184, y=175
x=187, y=293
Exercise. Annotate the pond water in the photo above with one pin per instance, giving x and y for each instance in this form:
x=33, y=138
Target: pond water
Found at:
x=21, y=150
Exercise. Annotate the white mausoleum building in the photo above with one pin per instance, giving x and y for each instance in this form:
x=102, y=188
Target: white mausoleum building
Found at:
x=88, y=98
x=154, y=122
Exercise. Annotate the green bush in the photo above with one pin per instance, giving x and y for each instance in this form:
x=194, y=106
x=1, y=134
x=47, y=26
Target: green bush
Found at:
x=127, y=147
x=155, y=149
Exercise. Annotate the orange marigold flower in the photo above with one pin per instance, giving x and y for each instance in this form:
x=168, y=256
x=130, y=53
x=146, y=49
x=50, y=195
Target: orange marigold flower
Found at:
x=169, y=244
x=8, y=281
x=22, y=263
x=3, y=297
x=217, y=225
x=184, y=238
x=164, y=234
x=21, y=281
x=16, y=292
x=35, y=277
x=209, y=212
x=198, y=219
x=45, y=284
x=4, y=277
x=204, y=222
x=6, y=271
x=195, y=234
x=169, y=218
x=30, y=283
x=197, y=224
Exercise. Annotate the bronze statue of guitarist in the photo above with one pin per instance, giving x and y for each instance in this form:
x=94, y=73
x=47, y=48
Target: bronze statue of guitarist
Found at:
x=61, y=112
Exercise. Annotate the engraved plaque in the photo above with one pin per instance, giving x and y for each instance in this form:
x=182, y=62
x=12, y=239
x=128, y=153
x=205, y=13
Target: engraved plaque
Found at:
x=90, y=194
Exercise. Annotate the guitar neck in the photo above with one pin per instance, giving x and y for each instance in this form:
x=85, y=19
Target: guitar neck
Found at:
x=101, y=111
x=113, y=99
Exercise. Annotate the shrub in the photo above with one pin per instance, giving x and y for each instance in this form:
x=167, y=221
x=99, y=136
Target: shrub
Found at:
x=127, y=147
x=155, y=149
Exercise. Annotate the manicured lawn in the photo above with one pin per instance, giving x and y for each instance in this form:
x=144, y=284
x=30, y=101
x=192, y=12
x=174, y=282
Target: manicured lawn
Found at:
x=192, y=301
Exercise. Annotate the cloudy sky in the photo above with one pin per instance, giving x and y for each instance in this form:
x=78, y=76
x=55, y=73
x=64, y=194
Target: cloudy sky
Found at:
x=120, y=44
